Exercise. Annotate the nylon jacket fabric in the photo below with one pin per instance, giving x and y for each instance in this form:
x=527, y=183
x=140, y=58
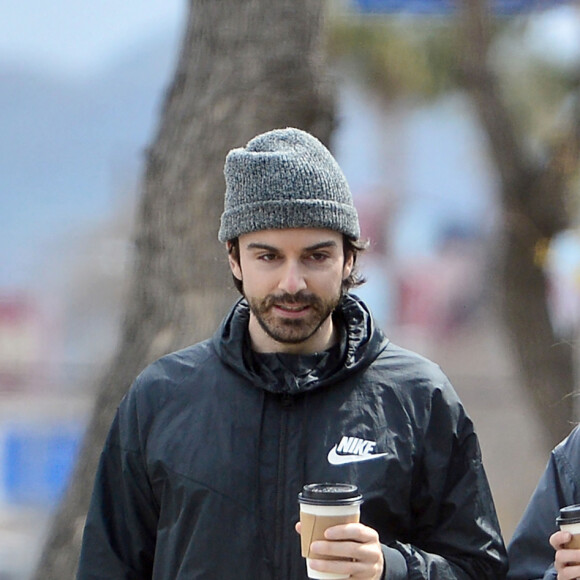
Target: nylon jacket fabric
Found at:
x=530, y=555
x=201, y=470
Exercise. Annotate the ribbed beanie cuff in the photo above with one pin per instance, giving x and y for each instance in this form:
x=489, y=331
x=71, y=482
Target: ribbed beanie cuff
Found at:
x=285, y=178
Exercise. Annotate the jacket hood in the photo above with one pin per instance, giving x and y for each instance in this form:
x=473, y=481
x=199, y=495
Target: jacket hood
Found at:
x=360, y=344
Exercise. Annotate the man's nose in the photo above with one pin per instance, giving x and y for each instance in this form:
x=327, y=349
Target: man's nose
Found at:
x=293, y=279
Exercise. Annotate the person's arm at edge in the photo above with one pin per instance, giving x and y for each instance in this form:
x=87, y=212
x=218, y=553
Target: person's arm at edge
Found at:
x=529, y=551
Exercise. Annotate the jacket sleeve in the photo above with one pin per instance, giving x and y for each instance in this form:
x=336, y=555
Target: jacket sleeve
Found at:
x=530, y=554
x=455, y=534
x=120, y=530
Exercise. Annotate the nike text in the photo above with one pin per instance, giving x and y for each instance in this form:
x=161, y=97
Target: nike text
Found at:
x=353, y=450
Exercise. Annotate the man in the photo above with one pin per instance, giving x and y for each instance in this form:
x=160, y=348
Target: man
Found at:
x=209, y=449
x=531, y=549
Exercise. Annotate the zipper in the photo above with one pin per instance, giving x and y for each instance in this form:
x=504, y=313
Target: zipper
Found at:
x=286, y=404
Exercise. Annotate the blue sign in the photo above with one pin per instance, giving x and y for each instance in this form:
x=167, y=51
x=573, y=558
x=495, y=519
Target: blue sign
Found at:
x=38, y=463
x=447, y=6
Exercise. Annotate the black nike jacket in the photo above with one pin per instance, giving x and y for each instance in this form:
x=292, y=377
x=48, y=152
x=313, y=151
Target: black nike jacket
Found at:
x=201, y=470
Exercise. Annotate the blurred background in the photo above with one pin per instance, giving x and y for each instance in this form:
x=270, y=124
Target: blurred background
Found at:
x=81, y=87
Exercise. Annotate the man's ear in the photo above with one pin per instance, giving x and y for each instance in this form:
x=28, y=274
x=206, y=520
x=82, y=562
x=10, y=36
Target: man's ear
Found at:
x=234, y=263
x=348, y=266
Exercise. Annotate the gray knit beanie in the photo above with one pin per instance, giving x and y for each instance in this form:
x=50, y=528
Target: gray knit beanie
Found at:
x=285, y=178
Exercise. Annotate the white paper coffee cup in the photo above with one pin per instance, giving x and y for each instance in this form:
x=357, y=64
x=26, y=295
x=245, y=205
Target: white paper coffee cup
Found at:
x=569, y=521
x=324, y=505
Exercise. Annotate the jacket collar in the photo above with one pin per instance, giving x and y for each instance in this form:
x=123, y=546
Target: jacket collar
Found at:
x=361, y=342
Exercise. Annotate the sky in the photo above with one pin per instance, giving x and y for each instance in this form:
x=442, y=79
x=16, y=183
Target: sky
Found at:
x=72, y=36
x=556, y=35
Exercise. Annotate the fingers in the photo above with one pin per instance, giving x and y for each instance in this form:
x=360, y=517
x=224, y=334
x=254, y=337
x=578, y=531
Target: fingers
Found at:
x=358, y=570
x=566, y=562
x=559, y=539
x=355, y=532
x=358, y=547
x=569, y=573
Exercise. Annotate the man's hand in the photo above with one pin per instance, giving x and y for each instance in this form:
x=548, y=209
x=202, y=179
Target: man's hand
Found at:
x=357, y=542
x=566, y=562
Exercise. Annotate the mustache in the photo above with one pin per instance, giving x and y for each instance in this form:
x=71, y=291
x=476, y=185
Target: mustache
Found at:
x=302, y=297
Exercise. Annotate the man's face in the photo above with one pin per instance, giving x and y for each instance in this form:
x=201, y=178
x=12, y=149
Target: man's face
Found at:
x=292, y=281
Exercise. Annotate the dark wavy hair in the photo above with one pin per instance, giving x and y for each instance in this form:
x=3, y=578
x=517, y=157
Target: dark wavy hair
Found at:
x=350, y=247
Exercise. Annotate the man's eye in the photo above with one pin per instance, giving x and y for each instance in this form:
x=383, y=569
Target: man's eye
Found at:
x=267, y=257
x=318, y=257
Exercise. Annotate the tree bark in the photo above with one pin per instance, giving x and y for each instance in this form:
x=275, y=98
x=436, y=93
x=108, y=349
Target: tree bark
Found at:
x=533, y=196
x=244, y=67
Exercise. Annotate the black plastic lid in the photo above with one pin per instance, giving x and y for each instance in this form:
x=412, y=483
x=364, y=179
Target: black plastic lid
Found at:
x=330, y=493
x=569, y=515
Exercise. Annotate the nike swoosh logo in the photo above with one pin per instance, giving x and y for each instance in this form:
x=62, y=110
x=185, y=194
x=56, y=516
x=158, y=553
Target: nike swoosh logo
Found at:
x=335, y=459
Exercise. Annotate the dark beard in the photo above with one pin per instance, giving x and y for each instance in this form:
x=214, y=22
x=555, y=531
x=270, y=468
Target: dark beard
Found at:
x=291, y=330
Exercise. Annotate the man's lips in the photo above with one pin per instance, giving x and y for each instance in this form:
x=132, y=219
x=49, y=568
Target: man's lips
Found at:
x=292, y=309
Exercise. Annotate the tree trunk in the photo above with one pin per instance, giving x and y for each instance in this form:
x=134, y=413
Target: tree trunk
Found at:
x=245, y=67
x=533, y=196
